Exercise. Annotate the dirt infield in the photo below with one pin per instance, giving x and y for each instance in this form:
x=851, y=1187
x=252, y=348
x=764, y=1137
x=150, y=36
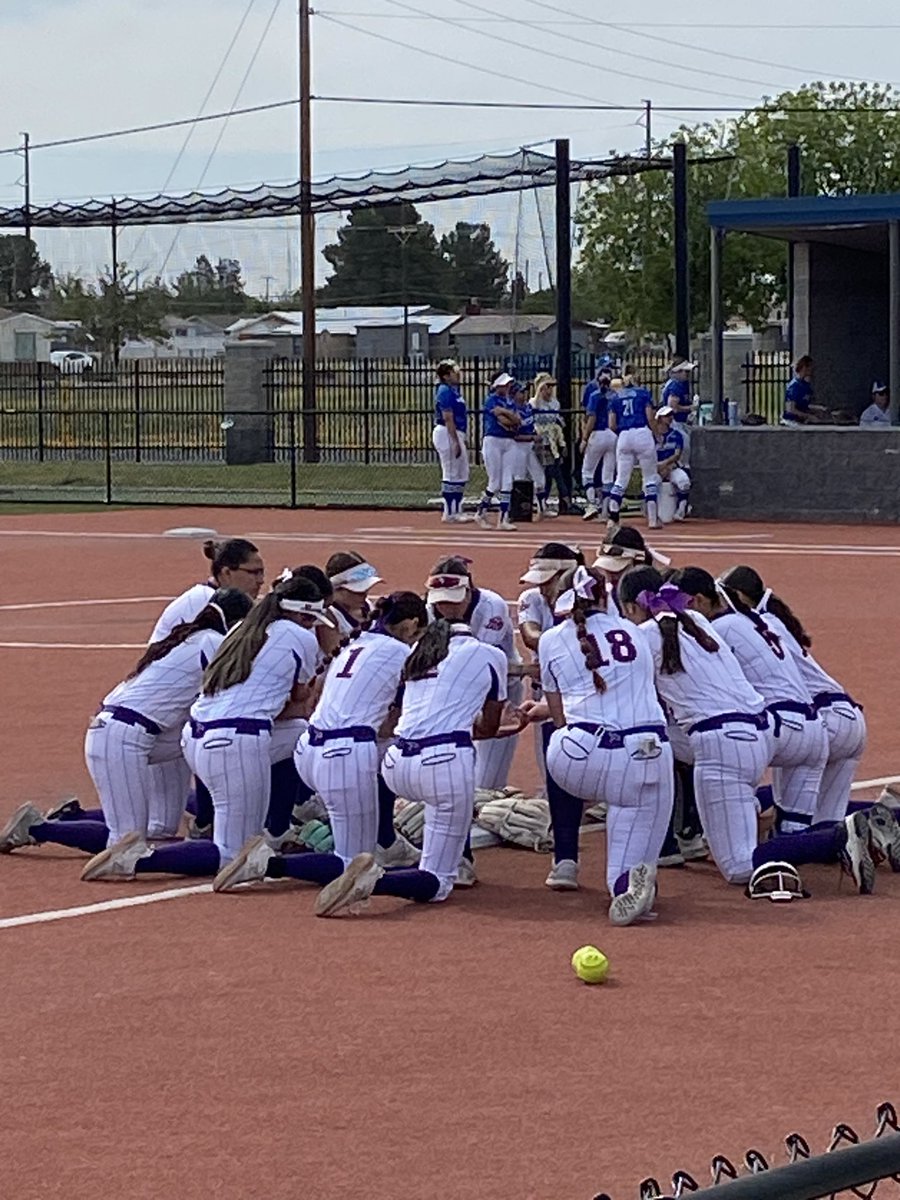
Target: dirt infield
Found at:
x=234, y=1046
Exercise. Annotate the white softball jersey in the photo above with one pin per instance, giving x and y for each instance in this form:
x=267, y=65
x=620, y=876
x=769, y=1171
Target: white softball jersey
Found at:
x=362, y=683
x=815, y=677
x=767, y=663
x=489, y=620
x=534, y=608
x=450, y=699
x=183, y=608
x=626, y=665
x=165, y=690
x=710, y=684
x=287, y=657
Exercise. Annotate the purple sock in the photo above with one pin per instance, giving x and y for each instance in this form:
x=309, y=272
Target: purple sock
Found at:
x=409, y=883
x=566, y=812
x=386, y=833
x=92, y=814
x=203, y=809
x=311, y=868
x=90, y=836
x=765, y=798
x=193, y=857
x=821, y=844
x=286, y=792
x=620, y=887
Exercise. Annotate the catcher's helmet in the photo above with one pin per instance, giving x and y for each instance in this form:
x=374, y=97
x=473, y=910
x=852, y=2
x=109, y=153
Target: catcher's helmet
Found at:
x=776, y=881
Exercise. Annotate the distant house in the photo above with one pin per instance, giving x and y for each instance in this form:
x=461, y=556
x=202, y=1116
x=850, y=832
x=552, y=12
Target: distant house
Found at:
x=363, y=331
x=25, y=337
x=187, y=337
x=490, y=335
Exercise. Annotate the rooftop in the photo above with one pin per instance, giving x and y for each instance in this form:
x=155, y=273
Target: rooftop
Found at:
x=860, y=222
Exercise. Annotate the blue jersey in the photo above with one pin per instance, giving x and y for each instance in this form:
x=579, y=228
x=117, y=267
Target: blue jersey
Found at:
x=670, y=444
x=492, y=427
x=799, y=393
x=630, y=406
x=678, y=391
x=527, y=428
x=448, y=399
x=590, y=388
x=598, y=407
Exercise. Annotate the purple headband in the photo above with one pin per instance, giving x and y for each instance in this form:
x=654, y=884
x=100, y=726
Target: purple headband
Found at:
x=669, y=598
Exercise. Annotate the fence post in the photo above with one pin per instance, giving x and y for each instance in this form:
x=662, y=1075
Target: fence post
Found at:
x=40, y=412
x=292, y=458
x=137, y=410
x=367, y=449
x=107, y=438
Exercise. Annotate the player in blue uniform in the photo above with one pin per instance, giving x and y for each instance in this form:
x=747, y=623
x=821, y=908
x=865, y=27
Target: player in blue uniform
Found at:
x=498, y=447
x=677, y=395
x=451, y=421
x=799, y=394
x=598, y=447
x=675, y=483
x=631, y=417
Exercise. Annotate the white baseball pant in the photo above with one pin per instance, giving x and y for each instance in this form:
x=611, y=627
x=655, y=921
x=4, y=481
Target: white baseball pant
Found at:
x=673, y=495
x=638, y=788
x=345, y=775
x=443, y=779
x=237, y=770
x=845, y=726
x=800, y=752
x=528, y=466
x=728, y=765
x=453, y=469
x=141, y=778
x=494, y=756
x=600, y=451
x=500, y=462
x=636, y=448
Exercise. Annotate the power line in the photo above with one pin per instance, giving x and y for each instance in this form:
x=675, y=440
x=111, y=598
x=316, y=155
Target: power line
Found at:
x=718, y=25
x=417, y=102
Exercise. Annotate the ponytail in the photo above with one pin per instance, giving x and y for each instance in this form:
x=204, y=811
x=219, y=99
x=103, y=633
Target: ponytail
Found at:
x=583, y=592
x=431, y=650
x=225, y=609
x=666, y=602
x=745, y=579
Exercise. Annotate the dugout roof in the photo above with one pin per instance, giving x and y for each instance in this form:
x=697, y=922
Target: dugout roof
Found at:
x=859, y=222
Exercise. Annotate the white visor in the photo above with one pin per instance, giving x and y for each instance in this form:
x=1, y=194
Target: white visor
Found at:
x=682, y=366
x=448, y=589
x=356, y=579
x=542, y=570
x=308, y=608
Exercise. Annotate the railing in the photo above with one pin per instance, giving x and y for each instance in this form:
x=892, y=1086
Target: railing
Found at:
x=766, y=375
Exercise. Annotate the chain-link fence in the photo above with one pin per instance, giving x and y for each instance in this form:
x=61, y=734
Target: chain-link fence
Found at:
x=849, y=1167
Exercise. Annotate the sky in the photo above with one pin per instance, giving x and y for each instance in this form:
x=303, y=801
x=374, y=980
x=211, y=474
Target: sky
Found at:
x=75, y=67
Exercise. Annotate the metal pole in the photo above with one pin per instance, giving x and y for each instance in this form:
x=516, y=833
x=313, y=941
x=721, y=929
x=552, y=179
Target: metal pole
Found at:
x=793, y=189
x=716, y=243
x=307, y=245
x=648, y=128
x=682, y=276
x=405, y=300
x=114, y=250
x=564, y=284
x=894, y=319
x=26, y=182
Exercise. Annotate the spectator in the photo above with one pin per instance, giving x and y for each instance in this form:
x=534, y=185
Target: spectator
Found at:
x=550, y=445
x=799, y=395
x=876, y=415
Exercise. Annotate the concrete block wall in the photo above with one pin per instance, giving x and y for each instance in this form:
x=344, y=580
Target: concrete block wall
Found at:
x=250, y=436
x=771, y=473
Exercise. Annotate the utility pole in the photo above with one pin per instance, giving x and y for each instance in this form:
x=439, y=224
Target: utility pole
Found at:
x=307, y=243
x=403, y=233
x=26, y=181
x=268, y=279
x=648, y=127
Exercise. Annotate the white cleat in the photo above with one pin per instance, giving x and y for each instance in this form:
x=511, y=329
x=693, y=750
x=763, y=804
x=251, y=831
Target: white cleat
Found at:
x=464, y=518
x=637, y=901
x=249, y=866
x=590, y=513
x=466, y=876
x=506, y=524
x=400, y=853
x=856, y=857
x=693, y=849
x=117, y=862
x=354, y=886
x=482, y=521
x=563, y=876
x=14, y=833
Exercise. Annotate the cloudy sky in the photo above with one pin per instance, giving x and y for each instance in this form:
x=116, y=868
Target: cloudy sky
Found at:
x=74, y=67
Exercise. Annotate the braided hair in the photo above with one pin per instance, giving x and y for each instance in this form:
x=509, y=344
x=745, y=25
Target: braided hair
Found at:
x=745, y=579
x=582, y=609
x=226, y=607
x=647, y=579
x=385, y=613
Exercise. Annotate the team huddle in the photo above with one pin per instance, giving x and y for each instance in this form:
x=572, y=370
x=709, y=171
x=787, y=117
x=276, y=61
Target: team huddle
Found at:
x=287, y=726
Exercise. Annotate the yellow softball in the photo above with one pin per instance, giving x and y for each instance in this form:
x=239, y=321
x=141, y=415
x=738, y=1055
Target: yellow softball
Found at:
x=590, y=964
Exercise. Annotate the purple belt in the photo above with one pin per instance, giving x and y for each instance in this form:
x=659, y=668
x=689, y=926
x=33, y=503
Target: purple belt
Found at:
x=359, y=733
x=757, y=720
x=807, y=711
x=411, y=746
x=129, y=717
x=249, y=725
x=614, y=739
x=824, y=699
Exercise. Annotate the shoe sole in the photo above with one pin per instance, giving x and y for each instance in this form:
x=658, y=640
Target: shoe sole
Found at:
x=70, y=808
x=857, y=855
x=885, y=831
x=561, y=885
x=94, y=869
x=645, y=898
x=226, y=877
x=9, y=842
x=340, y=892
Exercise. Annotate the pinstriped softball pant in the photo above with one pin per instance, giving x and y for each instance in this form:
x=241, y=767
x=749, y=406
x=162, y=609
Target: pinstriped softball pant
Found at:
x=846, y=729
x=345, y=775
x=639, y=792
x=443, y=779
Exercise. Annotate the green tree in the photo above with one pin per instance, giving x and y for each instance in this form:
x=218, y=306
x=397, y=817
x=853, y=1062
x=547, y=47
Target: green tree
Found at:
x=211, y=289
x=476, y=270
x=625, y=270
x=24, y=276
x=112, y=310
x=385, y=255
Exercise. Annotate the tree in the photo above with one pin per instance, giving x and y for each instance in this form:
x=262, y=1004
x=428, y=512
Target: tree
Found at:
x=111, y=310
x=385, y=255
x=208, y=288
x=476, y=270
x=24, y=276
x=849, y=143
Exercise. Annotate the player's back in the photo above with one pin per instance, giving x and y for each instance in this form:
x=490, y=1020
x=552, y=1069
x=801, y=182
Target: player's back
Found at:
x=451, y=696
x=362, y=682
x=183, y=608
x=165, y=690
x=630, y=407
x=767, y=664
x=287, y=657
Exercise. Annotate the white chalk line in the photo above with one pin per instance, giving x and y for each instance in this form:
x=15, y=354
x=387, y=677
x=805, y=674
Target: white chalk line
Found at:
x=73, y=645
x=85, y=603
x=89, y=910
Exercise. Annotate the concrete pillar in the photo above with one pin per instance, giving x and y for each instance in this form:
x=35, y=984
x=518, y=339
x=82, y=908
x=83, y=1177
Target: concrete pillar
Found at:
x=249, y=412
x=716, y=322
x=802, y=271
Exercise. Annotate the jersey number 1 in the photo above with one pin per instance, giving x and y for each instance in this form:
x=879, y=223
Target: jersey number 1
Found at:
x=347, y=670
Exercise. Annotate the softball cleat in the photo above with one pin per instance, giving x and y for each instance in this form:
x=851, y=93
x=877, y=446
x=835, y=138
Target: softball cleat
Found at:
x=66, y=810
x=466, y=875
x=14, y=834
x=400, y=853
x=856, y=857
x=563, y=876
x=117, y=862
x=637, y=902
x=354, y=886
x=884, y=833
x=248, y=866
